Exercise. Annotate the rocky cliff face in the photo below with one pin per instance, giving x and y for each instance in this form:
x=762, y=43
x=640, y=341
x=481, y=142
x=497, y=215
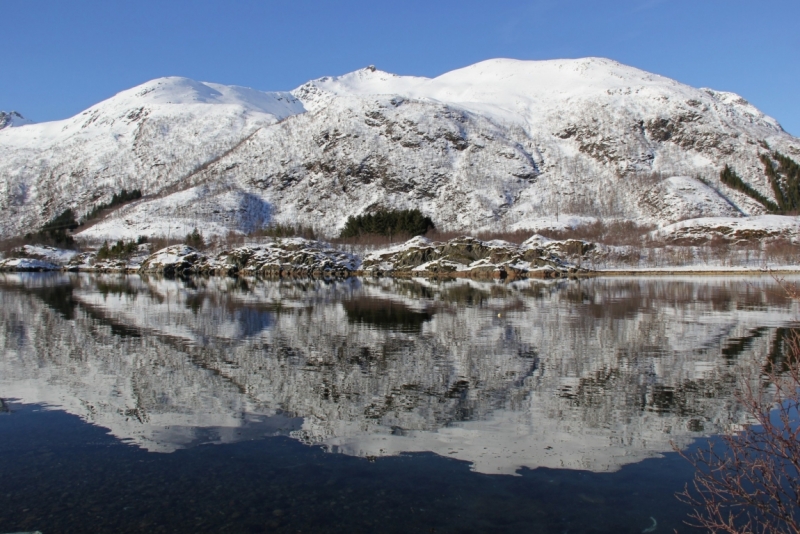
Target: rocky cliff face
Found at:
x=500, y=144
x=11, y=119
x=589, y=375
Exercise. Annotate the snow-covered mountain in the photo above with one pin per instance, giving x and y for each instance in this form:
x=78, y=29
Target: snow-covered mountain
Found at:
x=500, y=144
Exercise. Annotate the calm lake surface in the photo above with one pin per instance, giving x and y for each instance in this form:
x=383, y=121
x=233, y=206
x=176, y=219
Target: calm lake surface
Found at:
x=367, y=405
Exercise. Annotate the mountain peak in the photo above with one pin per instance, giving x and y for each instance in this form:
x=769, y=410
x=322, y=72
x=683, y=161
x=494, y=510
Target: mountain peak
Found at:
x=177, y=90
x=11, y=119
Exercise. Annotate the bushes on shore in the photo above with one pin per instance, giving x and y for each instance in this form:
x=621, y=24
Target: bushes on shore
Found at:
x=120, y=249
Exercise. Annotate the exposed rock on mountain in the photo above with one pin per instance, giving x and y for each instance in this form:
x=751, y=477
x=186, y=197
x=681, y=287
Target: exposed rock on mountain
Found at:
x=497, y=145
x=11, y=119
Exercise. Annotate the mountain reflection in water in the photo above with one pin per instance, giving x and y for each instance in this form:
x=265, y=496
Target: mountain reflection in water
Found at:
x=590, y=374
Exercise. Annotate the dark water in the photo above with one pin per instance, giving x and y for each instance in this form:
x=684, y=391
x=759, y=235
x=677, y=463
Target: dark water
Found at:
x=221, y=405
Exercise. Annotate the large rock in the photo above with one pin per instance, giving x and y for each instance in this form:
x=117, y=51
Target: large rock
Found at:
x=27, y=265
x=473, y=258
x=175, y=260
x=294, y=257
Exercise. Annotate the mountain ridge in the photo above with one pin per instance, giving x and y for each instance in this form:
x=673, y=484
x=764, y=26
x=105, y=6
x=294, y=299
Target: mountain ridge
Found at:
x=500, y=144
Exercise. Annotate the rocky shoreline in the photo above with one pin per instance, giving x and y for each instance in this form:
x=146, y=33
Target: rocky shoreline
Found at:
x=463, y=257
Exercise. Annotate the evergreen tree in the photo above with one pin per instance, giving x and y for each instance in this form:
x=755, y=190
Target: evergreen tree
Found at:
x=103, y=252
x=732, y=180
x=55, y=231
x=195, y=239
x=388, y=223
x=784, y=179
x=116, y=199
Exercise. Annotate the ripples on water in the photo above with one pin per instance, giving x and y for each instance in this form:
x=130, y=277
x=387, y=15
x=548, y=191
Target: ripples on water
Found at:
x=366, y=405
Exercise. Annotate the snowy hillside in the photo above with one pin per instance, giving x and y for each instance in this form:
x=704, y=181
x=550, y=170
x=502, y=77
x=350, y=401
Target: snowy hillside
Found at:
x=503, y=144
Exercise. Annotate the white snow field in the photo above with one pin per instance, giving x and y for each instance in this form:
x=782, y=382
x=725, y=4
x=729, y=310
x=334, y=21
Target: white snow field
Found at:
x=503, y=144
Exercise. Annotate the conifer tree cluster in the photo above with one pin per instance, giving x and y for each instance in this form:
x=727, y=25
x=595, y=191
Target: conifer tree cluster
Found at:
x=54, y=232
x=784, y=176
x=732, y=180
x=388, y=223
x=195, y=239
x=116, y=200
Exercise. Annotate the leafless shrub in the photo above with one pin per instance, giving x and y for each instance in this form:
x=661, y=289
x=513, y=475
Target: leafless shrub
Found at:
x=157, y=243
x=13, y=245
x=371, y=240
x=620, y=233
x=380, y=241
x=286, y=230
x=751, y=484
x=782, y=251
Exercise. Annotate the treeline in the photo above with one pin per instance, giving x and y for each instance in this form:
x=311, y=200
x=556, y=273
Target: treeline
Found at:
x=117, y=199
x=387, y=223
x=732, y=180
x=785, y=180
x=286, y=230
x=54, y=232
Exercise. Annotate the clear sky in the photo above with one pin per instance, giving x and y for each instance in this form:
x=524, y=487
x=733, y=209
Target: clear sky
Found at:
x=59, y=57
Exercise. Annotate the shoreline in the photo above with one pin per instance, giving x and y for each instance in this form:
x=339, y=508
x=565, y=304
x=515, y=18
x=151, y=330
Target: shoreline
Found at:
x=463, y=257
x=484, y=276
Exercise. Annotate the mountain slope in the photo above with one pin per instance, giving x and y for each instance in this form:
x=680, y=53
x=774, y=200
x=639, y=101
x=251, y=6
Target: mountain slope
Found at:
x=499, y=144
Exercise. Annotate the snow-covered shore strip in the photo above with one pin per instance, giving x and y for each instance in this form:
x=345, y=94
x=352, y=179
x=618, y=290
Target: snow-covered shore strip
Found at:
x=297, y=257
x=702, y=230
x=463, y=257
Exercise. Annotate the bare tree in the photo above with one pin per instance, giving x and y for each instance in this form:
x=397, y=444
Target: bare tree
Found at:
x=750, y=483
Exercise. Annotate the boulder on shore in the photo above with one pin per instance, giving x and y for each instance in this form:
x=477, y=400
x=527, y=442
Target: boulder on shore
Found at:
x=472, y=258
x=294, y=257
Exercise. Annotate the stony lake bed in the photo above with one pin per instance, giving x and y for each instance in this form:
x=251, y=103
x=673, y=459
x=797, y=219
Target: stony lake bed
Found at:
x=366, y=404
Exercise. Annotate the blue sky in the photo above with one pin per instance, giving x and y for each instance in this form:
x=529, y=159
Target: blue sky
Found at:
x=59, y=57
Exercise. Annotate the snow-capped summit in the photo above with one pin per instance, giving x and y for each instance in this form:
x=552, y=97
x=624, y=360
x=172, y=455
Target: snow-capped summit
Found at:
x=503, y=143
x=164, y=98
x=12, y=119
x=178, y=91
x=532, y=91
